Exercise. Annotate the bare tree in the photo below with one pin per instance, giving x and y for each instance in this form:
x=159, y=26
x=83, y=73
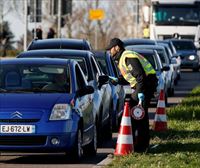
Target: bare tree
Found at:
x=118, y=22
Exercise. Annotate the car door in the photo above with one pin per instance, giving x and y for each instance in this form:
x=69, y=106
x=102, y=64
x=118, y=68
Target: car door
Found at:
x=105, y=92
x=119, y=89
x=84, y=105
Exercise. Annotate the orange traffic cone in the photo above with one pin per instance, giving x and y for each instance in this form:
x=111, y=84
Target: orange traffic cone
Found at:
x=160, y=120
x=125, y=139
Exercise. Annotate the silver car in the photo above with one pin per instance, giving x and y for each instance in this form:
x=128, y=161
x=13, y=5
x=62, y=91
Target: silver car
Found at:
x=169, y=75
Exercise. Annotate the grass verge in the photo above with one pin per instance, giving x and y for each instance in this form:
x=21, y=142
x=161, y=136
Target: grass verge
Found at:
x=178, y=147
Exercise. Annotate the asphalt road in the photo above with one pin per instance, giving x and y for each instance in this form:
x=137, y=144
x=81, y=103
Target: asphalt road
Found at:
x=188, y=81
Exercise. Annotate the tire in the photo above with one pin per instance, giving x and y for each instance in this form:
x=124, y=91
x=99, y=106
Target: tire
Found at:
x=108, y=127
x=195, y=69
x=179, y=76
x=176, y=81
x=91, y=148
x=77, y=150
x=99, y=132
x=171, y=92
x=166, y=101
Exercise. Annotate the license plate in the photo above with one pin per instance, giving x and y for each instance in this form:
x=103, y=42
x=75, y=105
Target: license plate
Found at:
x=18, y=129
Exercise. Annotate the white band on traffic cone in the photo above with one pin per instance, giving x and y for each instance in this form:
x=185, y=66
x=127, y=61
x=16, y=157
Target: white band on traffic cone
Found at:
x=125, y=139
x=126, y=121
x=161, y=103
x=160, y=117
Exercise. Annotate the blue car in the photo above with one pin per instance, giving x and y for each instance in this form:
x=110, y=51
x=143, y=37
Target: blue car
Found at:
x=60, y=43
x=46, y=106
x=109, y=67
x=102, y=94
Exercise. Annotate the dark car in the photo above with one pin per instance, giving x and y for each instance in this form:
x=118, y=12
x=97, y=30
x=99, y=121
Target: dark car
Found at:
x=39, y=113
x=134, y=41
x=102, y=94
x=188, y=53
x=109, y=67
x=60, y=43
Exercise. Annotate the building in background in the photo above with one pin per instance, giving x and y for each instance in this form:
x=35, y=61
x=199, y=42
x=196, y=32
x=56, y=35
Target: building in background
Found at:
x=74, y=19
x=44, y=13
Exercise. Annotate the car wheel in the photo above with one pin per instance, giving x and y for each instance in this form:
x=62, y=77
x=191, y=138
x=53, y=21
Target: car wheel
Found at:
x=195, y=69
x=99, y=132
x=108, y=127
x=176, y=81
x=171, y=91
x=179, y=76
x=91, y=148
x=77, y=150
x=166, y=101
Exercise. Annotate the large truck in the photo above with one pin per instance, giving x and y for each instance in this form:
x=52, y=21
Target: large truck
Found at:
x=175, y=17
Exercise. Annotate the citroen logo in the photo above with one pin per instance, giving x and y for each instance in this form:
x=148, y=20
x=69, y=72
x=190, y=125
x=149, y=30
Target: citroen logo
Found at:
x=16, y=114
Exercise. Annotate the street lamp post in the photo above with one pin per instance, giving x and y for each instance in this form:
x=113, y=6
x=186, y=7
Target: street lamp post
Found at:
x=59, y=18
x=25, y=24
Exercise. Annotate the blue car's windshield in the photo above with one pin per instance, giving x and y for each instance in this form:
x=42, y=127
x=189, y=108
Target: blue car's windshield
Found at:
x=34, y=78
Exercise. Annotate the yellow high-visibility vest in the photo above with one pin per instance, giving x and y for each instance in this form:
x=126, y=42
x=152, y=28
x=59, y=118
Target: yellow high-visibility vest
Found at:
x=126, y=69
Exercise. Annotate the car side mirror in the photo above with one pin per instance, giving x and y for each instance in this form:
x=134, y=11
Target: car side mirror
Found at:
x=103, y=79
x=84, y=91
x=173, y=61
x=175, y=56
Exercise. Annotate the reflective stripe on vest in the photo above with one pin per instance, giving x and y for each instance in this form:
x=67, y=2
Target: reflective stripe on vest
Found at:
x=125, y=70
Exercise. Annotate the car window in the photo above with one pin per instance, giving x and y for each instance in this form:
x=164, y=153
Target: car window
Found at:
x=80, y=81
x=95, y=68
x=103, y=65
x=115, y=68
x=82, y=63
x=34, y=78
x=151, y=59
x=162, y=56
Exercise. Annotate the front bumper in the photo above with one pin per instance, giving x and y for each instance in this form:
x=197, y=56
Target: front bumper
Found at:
x=53, y=137
x=186, y=63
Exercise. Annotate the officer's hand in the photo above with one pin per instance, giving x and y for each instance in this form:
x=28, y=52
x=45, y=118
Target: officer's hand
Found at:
x=113, y=80
x=141, y=97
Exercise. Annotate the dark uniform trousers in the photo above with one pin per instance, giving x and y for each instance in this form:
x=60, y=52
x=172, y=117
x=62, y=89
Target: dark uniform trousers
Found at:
x=140, y=128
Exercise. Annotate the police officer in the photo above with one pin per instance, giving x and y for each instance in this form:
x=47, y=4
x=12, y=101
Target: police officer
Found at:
x=141, y=76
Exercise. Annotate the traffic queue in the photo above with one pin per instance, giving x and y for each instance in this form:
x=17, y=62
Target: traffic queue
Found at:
x=61, y=96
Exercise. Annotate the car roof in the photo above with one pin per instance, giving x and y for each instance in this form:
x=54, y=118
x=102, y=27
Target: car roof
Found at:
x=99, y=53
x=146, y=47
x=182, y=40
x=59, y=43
x=55, y=53
x=36, y=61
x=148, y=51
x=134, y=41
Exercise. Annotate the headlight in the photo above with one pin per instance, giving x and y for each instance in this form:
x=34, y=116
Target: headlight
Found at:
x=191, y=57
x=61, y=112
